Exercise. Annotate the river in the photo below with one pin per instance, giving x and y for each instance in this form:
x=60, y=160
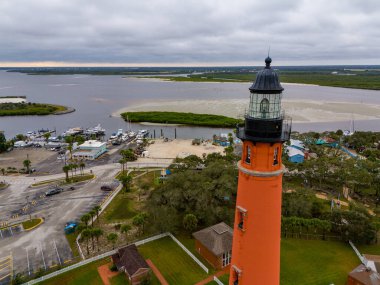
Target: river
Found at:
x=95, y=98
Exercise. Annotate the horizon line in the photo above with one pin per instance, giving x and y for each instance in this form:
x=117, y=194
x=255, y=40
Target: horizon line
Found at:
x=47, y=64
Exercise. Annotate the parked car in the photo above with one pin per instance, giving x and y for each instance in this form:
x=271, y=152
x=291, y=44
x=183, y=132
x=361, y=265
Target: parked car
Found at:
x=70, y=227
x=106, y=188
x=71, y=188
x=54, y=191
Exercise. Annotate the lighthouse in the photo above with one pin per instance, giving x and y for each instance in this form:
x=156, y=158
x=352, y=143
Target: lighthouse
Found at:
x=257, y=228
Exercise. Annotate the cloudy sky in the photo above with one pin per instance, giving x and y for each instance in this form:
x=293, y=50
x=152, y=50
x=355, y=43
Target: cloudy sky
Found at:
x=189, y=32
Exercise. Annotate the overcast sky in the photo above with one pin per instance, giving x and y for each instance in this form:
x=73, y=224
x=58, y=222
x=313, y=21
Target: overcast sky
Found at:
x=186, y=32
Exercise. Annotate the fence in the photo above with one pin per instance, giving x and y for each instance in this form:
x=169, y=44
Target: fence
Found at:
x=189, y=253
x=310, y=236
x=218, y=281
x=109, y=253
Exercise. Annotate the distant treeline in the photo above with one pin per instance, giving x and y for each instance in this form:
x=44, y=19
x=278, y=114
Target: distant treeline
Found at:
x=22, y=109
x=182, y=118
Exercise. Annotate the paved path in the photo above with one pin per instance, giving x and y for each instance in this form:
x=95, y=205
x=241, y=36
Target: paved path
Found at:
x=211, y=278
x=157, y=272
x=106, y=274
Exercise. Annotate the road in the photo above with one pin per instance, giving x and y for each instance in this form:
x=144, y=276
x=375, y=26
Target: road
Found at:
x=46, y=246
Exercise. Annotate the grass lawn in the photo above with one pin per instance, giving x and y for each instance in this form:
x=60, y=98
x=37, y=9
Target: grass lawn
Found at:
x=30, y=223
x=87, y=274
x=71, y=238
x=74, y=179
x=224, y=279
x=121, y=208
x=316, y=262
x=369, y=249
x=120, y=279
x=175, y=265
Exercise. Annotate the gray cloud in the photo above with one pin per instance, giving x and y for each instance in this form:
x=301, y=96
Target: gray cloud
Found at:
x=180, y=32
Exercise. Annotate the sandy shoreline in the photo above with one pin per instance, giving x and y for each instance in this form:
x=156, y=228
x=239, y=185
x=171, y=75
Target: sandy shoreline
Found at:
x=300, y=110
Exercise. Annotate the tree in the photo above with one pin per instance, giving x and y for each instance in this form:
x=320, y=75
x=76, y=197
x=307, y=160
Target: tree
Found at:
x=126, y=181
x=112, y=238
x=47, y=136
x=86, y=235
x=66, y=169
x=85, y=219
x=97, y=233
x=82, y=165
x=92, y=213
x=128, y=154
x=125, y=229
x=190, y=222
x=123, y=161
x=140, y=220
x=27, y=164
x=3, y=143
x=3, y=171
x=97, y=210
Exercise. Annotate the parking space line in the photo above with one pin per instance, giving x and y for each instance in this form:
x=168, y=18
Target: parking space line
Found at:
x=56, y=250
x=27, y=258
x=43, y=258
x=67, y=261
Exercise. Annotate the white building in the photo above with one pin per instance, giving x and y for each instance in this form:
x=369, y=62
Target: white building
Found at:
x=91, y=150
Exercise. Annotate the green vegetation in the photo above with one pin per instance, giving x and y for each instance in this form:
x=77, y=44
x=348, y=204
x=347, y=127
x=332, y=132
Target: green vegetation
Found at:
x=121, y=208
x=3, y=185
x=182, y=118
x=72, y=179
x=87, y=274
x=224, y=279
x=30, y=223
x=360, y=80
x=22, y=109
x=120, y=279
x=209, y=194
x=316, y=262
x=174, y=264
x=71, y=239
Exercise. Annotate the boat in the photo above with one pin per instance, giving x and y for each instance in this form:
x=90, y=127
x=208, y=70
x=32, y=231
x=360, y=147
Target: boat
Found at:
x=98, y=130
x=73, y=132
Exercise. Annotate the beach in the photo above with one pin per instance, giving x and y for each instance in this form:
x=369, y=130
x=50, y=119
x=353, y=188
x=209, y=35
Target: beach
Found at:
x=300, y=110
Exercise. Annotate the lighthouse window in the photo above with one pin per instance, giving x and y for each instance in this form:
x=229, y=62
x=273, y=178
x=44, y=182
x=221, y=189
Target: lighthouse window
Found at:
x=264, y=108
x=248, y=155
x=236, y=275
x=275, y=156
x=241, y=217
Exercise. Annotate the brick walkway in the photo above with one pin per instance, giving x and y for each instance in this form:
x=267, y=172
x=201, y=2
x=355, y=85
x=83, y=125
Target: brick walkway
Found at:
x=105, y=273
x=157, y=272
x=211, y=278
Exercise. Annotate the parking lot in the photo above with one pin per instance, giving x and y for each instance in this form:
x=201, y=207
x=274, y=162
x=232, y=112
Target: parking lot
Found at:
x=46, y=246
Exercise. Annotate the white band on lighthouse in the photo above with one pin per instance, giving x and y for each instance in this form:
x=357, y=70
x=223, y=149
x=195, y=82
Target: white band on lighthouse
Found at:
x=260, y=173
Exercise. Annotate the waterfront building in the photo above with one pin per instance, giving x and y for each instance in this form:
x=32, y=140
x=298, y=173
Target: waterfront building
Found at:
x=257, y=228
x=90, y=150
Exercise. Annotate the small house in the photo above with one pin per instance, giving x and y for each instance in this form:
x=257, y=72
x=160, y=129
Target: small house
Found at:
x=363, y=275
x=215, y=244
x=295, y=155
x=129, y=260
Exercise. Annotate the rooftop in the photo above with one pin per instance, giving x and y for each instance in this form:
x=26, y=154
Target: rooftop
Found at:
x=130, y=259
x=92, y=143
x=217, y=238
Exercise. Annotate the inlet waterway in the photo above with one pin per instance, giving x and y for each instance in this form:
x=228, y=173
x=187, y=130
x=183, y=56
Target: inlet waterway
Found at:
x=96, y=98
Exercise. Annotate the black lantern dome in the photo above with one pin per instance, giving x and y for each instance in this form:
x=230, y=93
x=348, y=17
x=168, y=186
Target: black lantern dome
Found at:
x=267, y=80
x=264, y=119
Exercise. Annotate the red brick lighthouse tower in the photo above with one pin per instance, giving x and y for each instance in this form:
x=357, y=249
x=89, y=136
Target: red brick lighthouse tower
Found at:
x=257, y=231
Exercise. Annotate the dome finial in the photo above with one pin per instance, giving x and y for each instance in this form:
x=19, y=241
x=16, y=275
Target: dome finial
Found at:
x=268, y=60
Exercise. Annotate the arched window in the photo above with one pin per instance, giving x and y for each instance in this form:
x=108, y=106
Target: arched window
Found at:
x=264, y=108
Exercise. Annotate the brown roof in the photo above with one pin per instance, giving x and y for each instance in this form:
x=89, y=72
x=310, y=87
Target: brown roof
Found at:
x=365, y=276
x=217, y=238
x=129, y=259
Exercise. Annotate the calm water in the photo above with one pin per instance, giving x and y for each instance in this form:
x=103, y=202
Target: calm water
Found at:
x=95, y=98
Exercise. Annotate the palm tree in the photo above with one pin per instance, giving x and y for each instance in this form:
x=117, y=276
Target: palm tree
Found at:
x=97, y=210
x=85, y=219
x=82, y=165
x=47, y=136
x=125, y=229
x=92, y=213
x=97, y=233
x=112, y=237
x=126, y=181
x=86, y=235
x=3, y=171
x=27, y=164
x=75, y=166
x=66, y=169
x=122, y=161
